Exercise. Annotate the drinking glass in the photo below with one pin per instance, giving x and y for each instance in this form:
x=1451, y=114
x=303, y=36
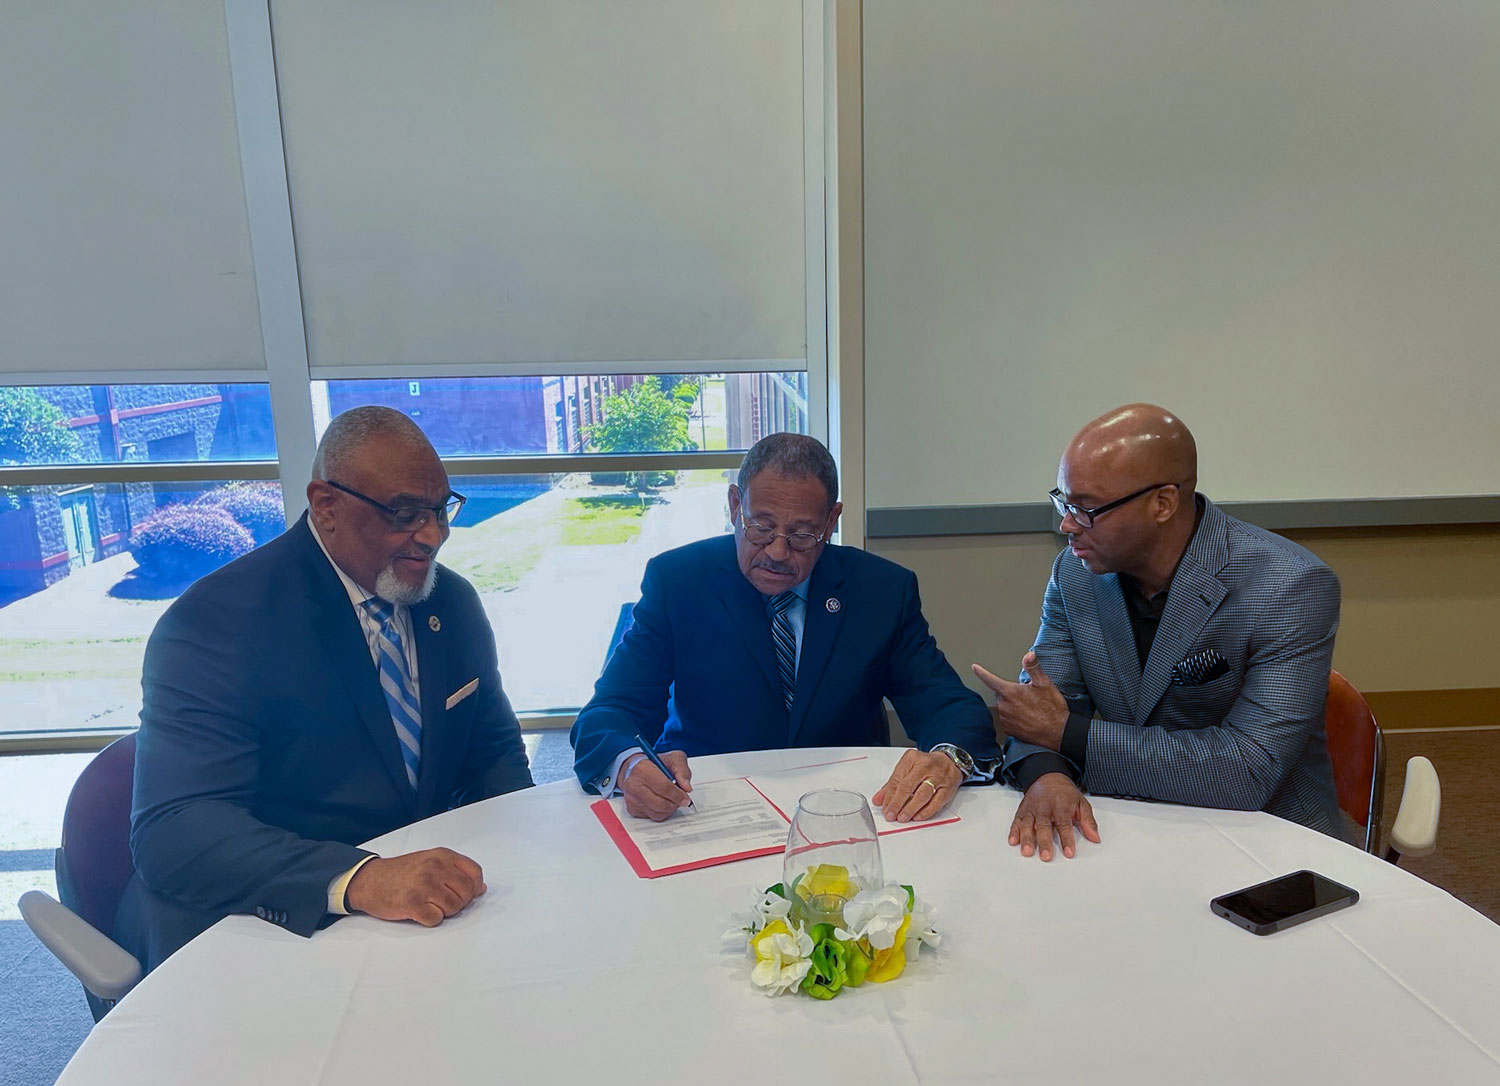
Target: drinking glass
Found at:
x=832, y=853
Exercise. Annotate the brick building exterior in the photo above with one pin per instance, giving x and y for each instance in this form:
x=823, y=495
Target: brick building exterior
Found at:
x=48, y=531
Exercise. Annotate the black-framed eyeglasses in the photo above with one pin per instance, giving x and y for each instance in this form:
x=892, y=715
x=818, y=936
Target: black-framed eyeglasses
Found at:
x=763, y=535
x=410, y=518
x=1085, y=518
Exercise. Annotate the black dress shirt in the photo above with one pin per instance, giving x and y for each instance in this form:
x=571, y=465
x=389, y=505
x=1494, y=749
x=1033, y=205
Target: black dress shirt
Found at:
x=1145, y=618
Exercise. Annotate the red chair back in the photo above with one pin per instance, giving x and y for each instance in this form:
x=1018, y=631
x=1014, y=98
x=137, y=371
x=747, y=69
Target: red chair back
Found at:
x=1357, y=752
x=94, y=864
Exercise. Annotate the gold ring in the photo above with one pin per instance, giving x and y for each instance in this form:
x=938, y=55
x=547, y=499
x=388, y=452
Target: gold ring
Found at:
x=929, y=784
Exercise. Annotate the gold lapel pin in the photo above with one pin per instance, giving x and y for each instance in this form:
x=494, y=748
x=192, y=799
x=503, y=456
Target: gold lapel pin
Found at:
x=433, y=624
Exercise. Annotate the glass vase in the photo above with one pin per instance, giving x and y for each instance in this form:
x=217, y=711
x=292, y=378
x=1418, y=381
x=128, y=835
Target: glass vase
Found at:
x=832, y=853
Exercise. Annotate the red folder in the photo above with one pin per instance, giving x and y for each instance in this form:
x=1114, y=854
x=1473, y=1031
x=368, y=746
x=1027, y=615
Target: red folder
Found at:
x=607, y=817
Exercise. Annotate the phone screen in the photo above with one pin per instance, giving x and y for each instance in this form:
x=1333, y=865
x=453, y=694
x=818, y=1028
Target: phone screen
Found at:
x=1281, y=899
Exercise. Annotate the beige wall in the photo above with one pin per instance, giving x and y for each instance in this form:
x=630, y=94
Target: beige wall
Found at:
x=1419, y=613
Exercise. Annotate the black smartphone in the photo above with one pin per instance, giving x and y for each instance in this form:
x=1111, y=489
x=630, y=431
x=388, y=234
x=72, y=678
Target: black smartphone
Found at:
x=1283, y=903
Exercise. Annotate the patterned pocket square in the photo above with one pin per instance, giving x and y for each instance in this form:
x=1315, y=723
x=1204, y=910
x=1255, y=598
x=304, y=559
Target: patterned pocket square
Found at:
x=1199, y=668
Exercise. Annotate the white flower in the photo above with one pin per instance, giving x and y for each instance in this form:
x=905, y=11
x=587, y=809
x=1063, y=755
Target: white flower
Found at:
x=875, y=915
x=769, y=907
x=920, y=930
x=781, y=959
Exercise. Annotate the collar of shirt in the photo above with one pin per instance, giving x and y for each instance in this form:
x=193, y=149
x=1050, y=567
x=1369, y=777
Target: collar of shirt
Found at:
x=367, y=621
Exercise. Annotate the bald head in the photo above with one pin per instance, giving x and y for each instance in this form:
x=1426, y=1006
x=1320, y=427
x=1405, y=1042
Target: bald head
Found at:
x=1130, y=477
x=1138, y=444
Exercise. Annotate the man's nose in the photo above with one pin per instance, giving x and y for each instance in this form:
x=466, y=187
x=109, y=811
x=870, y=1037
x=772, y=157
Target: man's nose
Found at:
x=779, y=548
x=1069, y=526
x=431, y=534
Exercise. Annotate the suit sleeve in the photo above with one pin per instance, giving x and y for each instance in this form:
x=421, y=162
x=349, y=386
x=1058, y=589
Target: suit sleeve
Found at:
x=194, y=835
x=933, y=703
x=1242, y=761
x=630, y=698
x=1025, y=762
x=495, y=762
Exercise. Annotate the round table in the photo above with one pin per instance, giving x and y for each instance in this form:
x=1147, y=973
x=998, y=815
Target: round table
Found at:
x=1108, y=967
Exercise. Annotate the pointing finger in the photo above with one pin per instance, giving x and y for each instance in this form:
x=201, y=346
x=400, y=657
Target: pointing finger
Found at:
x=990, y=679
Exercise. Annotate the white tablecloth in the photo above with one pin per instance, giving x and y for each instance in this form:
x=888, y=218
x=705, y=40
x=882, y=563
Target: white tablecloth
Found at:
x=1106, y=968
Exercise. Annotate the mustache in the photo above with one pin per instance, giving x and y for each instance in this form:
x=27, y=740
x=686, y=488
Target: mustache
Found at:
x=775, y=566
x=422, y=550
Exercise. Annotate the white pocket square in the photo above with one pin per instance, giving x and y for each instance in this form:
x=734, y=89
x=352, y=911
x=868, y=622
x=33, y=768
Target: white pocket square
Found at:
x=462, y=692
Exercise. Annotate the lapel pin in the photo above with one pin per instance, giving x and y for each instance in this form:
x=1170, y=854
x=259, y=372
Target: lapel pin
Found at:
x=832, y=605
x=433, y=624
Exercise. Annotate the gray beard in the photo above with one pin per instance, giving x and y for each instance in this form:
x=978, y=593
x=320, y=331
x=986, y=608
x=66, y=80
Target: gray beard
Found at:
x=393, y=589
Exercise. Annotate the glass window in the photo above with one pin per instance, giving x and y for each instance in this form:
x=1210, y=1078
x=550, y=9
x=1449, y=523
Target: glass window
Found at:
x=555, y=558
x=624, y=413
x=85, y=572
x=94, y=424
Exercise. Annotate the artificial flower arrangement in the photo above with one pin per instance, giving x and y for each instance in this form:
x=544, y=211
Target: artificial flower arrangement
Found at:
x=879, y=932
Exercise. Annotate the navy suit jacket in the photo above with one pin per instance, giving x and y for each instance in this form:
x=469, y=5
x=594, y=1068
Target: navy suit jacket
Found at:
x=696, y=671
x=267, y=753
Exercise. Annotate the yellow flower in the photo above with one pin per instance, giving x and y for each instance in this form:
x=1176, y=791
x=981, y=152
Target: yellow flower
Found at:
x=889, y=964
x=826, y=879
x=761, y=941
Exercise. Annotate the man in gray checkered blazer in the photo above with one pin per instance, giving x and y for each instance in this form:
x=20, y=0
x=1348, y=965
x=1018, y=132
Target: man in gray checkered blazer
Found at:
x=1183, y=654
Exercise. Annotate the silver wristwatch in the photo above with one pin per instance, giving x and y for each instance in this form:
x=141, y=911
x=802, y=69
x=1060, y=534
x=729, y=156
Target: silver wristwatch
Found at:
x=961, y=758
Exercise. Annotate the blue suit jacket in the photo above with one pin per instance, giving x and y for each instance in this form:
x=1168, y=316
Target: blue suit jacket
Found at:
x=266, y=750
x=696, y=671
x=1252, y=738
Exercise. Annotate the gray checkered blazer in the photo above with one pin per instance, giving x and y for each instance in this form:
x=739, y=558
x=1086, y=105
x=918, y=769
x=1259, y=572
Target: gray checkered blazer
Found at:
x=1250, y=739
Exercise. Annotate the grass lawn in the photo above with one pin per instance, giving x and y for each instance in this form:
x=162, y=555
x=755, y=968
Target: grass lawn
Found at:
x=497, y=553
x=604, y=518
x=61, y=658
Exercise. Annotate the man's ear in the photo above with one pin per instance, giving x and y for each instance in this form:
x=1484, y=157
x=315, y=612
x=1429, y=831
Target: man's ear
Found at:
x=734, y=502
x=833, y=519
x=1166, y=500
x=320, y=501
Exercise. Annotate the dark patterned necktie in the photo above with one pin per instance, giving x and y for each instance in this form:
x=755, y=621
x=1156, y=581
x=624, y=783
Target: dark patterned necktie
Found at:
x=785, y=640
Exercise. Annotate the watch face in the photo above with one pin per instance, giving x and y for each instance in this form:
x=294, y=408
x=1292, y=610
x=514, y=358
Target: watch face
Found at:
x=960, y=757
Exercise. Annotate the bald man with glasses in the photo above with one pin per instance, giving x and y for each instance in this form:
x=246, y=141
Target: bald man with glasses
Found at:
x=774, y=637
x=323, y=690
x=1183, y=655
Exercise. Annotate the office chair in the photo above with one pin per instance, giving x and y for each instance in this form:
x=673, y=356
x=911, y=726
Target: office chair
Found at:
x=93, y=865
x=1357, y=749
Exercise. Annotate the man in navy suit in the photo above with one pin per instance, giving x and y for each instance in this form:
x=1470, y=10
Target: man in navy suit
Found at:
x=327, y=688
x=773, y=637
x=1183, y=654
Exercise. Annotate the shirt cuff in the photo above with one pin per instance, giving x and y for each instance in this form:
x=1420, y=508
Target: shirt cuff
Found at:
x=1075, y=739
x=609, y=784
x=339, y=887
x=1031, y=768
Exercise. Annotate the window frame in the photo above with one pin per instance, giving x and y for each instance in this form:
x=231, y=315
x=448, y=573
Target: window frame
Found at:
x=283, y=329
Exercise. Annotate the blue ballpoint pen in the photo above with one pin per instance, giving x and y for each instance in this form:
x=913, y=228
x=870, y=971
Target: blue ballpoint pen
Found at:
x=661, y=765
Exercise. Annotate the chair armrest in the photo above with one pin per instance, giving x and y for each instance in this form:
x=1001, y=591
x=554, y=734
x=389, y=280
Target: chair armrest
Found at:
x=100, y=964
x=1414, y=832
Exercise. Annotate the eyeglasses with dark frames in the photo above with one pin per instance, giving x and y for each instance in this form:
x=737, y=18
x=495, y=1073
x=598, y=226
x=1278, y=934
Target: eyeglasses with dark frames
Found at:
x=410, y=518
x=763, y=535
x=1085, y=518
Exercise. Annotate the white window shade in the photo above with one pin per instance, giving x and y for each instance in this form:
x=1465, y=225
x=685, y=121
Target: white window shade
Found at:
x=533, y=185
x=122, y=207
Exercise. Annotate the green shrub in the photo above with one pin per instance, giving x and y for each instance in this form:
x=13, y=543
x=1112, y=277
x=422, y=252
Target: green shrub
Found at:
x=182, y=542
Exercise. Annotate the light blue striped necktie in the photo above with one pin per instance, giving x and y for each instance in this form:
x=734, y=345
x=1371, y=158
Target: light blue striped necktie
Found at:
x=395, y=681
x=785, y=641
